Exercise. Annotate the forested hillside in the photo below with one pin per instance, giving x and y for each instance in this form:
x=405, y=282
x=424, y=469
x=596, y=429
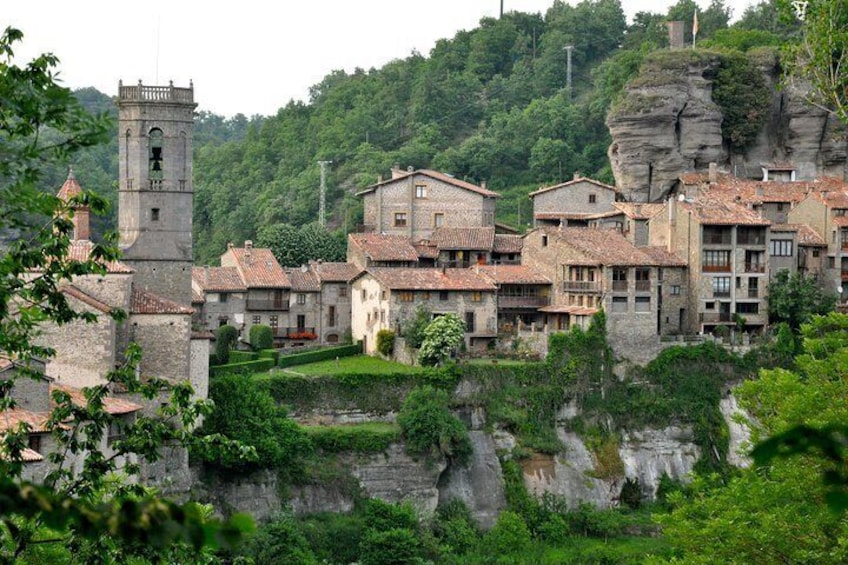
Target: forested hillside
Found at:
x=488, y=104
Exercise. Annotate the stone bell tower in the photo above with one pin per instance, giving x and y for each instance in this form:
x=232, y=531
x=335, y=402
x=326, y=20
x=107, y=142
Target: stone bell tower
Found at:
x=155, y=189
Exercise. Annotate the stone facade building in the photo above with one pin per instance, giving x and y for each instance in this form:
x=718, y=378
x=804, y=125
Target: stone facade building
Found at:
x=414, y=203
x=572, y=203
x=386, y=298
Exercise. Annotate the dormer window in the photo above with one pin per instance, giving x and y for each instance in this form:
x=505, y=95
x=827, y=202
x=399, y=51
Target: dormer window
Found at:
x=156, y=142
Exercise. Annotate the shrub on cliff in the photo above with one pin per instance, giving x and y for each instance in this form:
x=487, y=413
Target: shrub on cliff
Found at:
x=430, y=429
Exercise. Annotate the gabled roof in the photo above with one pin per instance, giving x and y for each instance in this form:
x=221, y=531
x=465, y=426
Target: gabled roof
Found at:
x=637, y=211
x=571, y=183
x=303, y=280
x=383, y=247
x=716, y=212
x=507, y=243
x=805, y=235
x=143, y=302
x=218, y=279
x=431, y=279
x=511, y=274
x=111, y=404
x=475, y=239
x=257, y=267
x=662, y=257
x=11, y=418
x=71, y=290
x=426, y=250
x=840, y=221
x=196, y=296
x=334, y=271
x=437, y=176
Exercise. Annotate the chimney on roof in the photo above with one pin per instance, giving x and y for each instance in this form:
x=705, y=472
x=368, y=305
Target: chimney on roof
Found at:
x=229, y=245
x=713, y=174
x=759, y=190
x=396, y=171
x=409, y=169
x=576, y=175
x=483, y=184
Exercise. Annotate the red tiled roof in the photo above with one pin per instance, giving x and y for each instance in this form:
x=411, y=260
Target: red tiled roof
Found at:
x=196, y=297
x=561, y=216
x=426, y=250
x=218, y=279
x=476, y=239
x=74, y=292
x=27, y=455
x=111, y=404
x=11, y=418
x=303, y=280
x=715, y=212
x=431, y=279
x=143, y=302
x=840, y=221
x=636, y=211
x=572, y=182
x=575, y=310
x=507, y=243
x=81, y=249
x=438, y=176
x=609, y=247
x=258, y=268
x=70, y=188
x=383, y=247
x=805, y=234
x=511, y=274
x=335, y=271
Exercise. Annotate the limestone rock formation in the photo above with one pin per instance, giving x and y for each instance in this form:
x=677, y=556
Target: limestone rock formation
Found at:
x=666, y=123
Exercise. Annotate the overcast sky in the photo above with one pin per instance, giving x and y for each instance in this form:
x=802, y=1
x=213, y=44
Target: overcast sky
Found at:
x=246, y=56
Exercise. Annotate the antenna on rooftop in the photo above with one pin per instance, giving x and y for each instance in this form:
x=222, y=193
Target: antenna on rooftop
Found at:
x=322, y=203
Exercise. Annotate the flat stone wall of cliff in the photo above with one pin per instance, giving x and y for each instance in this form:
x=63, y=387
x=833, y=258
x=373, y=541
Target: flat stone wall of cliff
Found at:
x=667, y=123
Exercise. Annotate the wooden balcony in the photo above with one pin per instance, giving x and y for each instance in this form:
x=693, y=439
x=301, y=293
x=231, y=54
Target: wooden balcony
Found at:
x=643, y=286
x=715, y=317
x=619, y=286
x=581, y=286
x=755, y=268
x=716, y=268
x=506, y=302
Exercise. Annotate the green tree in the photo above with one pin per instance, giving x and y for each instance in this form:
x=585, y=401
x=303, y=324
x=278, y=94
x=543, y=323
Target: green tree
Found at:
x=225, y=339
x=429, y=428
x=261, y=337
x=413, y=329
x=295, y=246
x=820, y=58
x=795, y=298
x=386, y=342
x=86, y=506
x=441, y=339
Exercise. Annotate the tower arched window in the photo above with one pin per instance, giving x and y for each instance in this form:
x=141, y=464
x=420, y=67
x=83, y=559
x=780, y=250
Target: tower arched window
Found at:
x=156, y=157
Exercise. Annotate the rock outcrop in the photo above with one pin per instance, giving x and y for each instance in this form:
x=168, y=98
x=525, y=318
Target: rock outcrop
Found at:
x=666, y=123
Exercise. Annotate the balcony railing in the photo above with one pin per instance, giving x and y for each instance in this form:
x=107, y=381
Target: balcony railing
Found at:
x=713, y=317
x=753, y=293
x=522, y=301
x=716, y=268
x=751, y=240
x=273, y=305
x=295, y=333
x=581, y=286
x=755, y=268
x=721, y=294
x=643, y=286
x=619, y=286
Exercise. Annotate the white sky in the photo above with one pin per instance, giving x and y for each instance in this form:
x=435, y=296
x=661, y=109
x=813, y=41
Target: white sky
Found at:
x=246, y=56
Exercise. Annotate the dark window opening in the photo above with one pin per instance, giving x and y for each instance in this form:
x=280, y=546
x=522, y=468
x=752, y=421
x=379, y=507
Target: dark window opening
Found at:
x=156, y=157
x=154, y=214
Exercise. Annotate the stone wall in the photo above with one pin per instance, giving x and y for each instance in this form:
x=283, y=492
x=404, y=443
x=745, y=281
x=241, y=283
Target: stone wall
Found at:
x=575, y=199
x=165, y=344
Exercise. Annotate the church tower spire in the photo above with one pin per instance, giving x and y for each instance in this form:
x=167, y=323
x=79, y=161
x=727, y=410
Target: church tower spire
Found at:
x=155, y=191
x=81, y=214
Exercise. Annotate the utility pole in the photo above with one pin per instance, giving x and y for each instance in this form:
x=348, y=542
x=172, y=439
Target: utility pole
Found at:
x=322, y=203
x=568, y=49
x=501, y=9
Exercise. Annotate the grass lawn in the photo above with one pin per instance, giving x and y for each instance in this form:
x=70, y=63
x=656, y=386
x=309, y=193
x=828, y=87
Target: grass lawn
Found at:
x=484, y=361
x=358, y=364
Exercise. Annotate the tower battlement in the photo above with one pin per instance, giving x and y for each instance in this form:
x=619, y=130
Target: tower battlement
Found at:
x=141, y=93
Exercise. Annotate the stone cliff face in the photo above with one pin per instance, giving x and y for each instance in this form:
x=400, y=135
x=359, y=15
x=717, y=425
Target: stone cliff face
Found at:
x=666, y=124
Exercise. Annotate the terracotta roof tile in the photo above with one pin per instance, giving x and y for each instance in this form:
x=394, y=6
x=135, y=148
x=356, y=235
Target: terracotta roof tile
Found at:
x=258, y=267
x=716, y=212
x=303, y=280
x=11, y=418
x=81, y=249
x=575, y=310
x=570, y=183
x=561, y=216
x=426, y=250
x=143, y=302
x=71, y=290
x=508, y=243
x=477, y=239
x=70, y=188
x=196, y=296
x=511, y=274
x=111, y=404
x=335, y=271
x=27, y=455
x=218, y=279
x=808, y=236
x=431, y=279
x=840, y=221
x=609, y=247
x=383, y=247
x=438, y=176
x=636, y=211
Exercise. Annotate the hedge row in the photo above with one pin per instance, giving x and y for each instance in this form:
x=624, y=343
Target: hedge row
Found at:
x=320, y=355
x=365, y=438
x=245, y=367
x=237, y=356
